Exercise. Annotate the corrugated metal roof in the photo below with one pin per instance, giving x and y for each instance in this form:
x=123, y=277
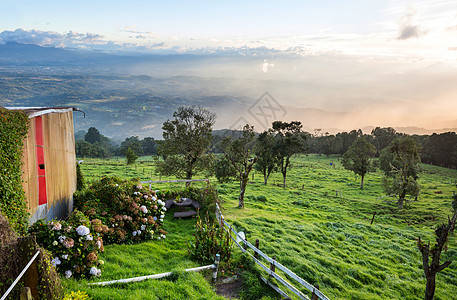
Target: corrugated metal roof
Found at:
x=33, y=112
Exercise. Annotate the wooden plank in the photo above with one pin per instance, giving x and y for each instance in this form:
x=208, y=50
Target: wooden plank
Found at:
x=155, y=276
x=184, y=214
x=277, y=289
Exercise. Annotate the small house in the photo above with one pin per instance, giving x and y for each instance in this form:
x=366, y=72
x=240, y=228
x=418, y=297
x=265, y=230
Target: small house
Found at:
x=49, y=162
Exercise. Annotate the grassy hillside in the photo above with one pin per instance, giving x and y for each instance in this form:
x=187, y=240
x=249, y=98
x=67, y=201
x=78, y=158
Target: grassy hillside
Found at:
x=325, y=236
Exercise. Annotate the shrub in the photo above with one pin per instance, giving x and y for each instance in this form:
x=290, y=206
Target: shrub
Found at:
x=124, y=211
x=79, y=295
x=131, y=156
x=210, y=239
x=224, y=170
x=80, y=182
x=74, y=244
x=13, y=130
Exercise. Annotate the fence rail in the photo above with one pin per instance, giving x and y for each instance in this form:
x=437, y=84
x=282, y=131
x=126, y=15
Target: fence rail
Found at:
x=171, y=181
x=20, y=276
x=155, y=276
x=272, y=262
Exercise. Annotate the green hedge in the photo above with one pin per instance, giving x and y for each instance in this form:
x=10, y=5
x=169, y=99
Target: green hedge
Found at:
x=13, y=129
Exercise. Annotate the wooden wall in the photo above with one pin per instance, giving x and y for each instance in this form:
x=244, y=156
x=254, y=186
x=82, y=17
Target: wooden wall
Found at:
x=60, y=166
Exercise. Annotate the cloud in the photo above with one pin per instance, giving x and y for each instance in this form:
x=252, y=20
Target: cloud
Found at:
x=139, y=33
x=149, y=126
x=409, y=27
x=266, y=65
x=49, y=38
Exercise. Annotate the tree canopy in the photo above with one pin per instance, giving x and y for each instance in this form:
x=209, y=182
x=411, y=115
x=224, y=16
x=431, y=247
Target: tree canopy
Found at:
x=400, y=162
x=358, y=158
x=289, y=140
x=186, y=141
x=238, y=153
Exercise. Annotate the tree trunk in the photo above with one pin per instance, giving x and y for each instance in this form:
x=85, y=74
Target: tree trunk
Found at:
x=401, y=199
x=361, y=182
x=284, y=174
x=188, y=177
x=265, y=177
x=244, y=182
x=430, y=287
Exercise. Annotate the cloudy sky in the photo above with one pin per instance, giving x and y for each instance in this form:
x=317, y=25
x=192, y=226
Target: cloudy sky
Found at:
x=364, y=55
x=424, y=29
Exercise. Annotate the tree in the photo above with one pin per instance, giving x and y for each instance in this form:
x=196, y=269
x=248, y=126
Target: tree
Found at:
x=149, y=146
x=267, y=160
x=400, y=163
x=289, y=140
x=224, y=170
x=358, y=158
x=382, y=137
x=186, y=141
x=430, y=270
x=133, y=143
x=238, y=153
x=131, y=156
x=93, y=135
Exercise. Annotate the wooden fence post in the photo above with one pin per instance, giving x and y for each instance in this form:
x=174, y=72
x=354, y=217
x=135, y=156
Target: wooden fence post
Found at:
x=256, y=254
x=26, y=294
x=314, y=296
x=272, y=265
x=372, y=219
x=216, y=264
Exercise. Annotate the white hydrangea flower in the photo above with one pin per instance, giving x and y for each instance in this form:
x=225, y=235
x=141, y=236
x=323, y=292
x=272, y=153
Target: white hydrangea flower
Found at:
x=55, y=243
x=99, y=244
x=82, y=230
x=164, y=208
x=134, y=233
x=62, y=238
x=143, y=227
x=95, y=272
x=163, y=236
x=68, y=273
x=153, y=198
x=56, y=261
x=65, y=256
x=89, y=237
x=144, y=209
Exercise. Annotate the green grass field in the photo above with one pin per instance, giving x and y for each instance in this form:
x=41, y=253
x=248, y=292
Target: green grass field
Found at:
x=319, y=227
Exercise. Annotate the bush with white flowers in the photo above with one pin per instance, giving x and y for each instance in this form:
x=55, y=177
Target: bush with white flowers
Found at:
x=74, y=244
x=132, y=212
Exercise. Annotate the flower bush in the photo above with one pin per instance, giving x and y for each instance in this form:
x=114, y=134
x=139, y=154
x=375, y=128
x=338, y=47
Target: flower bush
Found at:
x=130, y=211
x=74, y=244
x=210, y=239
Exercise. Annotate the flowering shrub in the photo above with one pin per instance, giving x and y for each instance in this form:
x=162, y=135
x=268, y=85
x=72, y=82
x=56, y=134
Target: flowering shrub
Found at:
x=131, y=212
x=74, y=244
x=210, y=239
